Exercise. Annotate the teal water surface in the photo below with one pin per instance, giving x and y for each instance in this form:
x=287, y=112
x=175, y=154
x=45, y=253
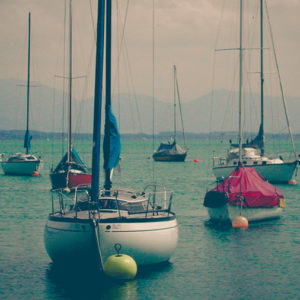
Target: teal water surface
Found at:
x=261, y=262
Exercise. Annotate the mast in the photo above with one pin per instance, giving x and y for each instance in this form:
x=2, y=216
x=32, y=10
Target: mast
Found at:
x=107, y=184
x=70, y=86
x=179, y=104
x=241, y=83
x=174, y=103
x=28, y=84
x=98, y=101
x=261, y=130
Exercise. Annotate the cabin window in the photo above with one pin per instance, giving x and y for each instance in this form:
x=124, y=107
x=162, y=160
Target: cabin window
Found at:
x=264, y=163
x=234, y=162
x=255, y=162
x=244, y=162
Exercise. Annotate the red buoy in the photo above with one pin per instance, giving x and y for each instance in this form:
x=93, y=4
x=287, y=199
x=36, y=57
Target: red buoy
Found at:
x=196, y=160
x=35, y=174
x=292, y=182
x=240, y=222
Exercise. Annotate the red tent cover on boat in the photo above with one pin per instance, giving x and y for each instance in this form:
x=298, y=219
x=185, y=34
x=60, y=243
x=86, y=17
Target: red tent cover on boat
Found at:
x=247, y=184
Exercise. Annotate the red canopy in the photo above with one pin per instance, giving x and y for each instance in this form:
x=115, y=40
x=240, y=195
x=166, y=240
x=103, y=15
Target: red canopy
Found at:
x=246, y=184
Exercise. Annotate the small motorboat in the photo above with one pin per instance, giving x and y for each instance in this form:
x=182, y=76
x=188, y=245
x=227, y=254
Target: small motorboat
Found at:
x=244, y=193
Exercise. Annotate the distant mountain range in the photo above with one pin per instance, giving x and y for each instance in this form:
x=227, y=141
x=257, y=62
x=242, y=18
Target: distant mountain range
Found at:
x=214, y=112
x=164, y=136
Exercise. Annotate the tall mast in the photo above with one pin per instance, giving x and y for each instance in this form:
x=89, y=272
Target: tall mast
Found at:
x=98, y=101
x=241, y=83
x=70, y=85
x=107, y=184
x=262, y=77
x=174, y=102
x=28, y=81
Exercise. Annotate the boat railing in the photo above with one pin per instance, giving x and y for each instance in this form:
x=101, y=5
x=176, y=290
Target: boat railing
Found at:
x=159, y=197
x=152, y=209
x=77, y=199
x=286, y=156
x=153, y=200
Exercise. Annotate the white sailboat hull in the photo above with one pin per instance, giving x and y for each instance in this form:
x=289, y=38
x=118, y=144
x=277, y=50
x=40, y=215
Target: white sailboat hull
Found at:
x=281, y=172
x=20, y=168
x=228, y=213
x=148, y=242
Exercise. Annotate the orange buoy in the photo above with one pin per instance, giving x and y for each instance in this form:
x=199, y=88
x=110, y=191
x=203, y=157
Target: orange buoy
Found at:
x=240, y=222
x=196, y=160
x=292, y=182
x=35, y=174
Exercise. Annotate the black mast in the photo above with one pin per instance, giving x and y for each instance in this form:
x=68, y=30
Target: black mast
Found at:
x=107, y=184
x=98, y=101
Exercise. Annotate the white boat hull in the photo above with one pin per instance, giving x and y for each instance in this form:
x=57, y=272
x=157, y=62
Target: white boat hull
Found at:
x=281, y=173
x=148, y=242
x=20, y=168
x=228, y=213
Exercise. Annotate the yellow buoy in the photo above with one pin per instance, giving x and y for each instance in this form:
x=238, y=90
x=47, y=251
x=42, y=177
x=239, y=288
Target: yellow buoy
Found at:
x=292, y=182
x=120, y=266
x=35, y=174
x=240, y=222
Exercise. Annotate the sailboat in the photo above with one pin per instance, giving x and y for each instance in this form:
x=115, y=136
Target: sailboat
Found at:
x=171, y=151
x=24, y=163
x=272, y=169
x=87, y=230
x=71, y=170
x=244, y=192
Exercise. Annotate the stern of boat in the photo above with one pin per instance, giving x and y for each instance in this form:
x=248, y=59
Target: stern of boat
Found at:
x=148, y=240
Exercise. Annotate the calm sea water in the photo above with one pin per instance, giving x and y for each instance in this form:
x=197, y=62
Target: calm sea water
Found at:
x=261, y=262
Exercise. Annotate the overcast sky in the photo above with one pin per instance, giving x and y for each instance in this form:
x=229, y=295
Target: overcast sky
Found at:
x=185, y=34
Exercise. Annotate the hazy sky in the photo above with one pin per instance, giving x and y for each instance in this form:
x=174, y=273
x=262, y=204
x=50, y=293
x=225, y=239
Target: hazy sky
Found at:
x=185, y=34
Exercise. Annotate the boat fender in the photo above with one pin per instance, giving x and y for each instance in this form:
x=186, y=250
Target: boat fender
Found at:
x=282, y=203
x=215, y=199
x=35, y=174
x=67, y=190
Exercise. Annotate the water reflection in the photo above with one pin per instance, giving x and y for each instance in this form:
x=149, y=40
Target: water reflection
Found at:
x=79, y=283
x=227, y=226
x=218, y=226
x=126, y=290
